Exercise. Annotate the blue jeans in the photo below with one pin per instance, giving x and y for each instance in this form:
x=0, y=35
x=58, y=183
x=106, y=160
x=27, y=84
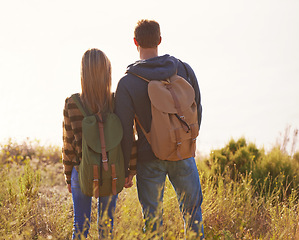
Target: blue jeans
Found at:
x=82, y=210
x=183, y=176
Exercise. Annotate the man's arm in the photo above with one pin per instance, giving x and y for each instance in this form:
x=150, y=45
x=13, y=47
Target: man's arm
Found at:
x=124, y=109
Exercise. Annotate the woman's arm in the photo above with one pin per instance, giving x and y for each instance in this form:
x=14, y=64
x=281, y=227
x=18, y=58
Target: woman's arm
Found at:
x=68, y=150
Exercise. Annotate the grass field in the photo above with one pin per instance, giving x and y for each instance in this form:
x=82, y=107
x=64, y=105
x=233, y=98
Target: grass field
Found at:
x=35, y=204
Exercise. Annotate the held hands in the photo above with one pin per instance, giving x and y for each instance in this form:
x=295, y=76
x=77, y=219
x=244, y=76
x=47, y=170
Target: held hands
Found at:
x=129, y=181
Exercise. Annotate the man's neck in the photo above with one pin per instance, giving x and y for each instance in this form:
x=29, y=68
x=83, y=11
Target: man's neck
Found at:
x=146, y=53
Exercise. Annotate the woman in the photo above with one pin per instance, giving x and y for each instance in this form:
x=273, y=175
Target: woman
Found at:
x=96, y=95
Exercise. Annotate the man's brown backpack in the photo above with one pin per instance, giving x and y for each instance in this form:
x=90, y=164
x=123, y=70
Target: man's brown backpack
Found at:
x=174, y=125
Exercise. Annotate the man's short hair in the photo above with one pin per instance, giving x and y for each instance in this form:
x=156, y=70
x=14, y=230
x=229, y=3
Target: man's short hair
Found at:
x=147, y=33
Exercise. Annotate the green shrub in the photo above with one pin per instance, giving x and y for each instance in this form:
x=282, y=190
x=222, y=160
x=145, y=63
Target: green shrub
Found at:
x=269, y=171
x=276, y=169
x=238, y=157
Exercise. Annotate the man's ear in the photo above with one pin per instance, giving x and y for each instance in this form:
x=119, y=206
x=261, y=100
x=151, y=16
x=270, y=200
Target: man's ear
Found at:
x=160, y=40
x=136, y=43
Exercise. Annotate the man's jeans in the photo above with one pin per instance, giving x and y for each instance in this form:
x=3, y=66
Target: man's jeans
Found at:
x=184, y=177
x=82, y=209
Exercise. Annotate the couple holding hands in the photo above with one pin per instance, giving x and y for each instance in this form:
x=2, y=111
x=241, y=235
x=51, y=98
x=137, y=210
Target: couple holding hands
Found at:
x=132, y=101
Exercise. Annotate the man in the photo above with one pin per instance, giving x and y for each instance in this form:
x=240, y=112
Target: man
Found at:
x=132, y=99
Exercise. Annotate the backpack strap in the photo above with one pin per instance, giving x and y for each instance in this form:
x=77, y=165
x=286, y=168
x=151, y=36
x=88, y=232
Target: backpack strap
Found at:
x=84, y=110
x=103, y=143
x=96, y=190
x=143, y=78
x=193, y=136
x=147, y=135
x=104, y=154
x=178, y=143
x=114, y=179
x=165, y=81
x=177, y=106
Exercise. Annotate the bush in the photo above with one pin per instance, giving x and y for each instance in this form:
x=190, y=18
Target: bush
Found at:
x=238, y=157
x=275, y=170
x=13, y=152
x=269, y=171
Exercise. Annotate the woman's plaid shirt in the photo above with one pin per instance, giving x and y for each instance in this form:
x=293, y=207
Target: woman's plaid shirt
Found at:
x=72, y=137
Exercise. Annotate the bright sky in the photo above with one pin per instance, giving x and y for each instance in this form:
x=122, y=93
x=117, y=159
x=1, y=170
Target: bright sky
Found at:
x=245, y=55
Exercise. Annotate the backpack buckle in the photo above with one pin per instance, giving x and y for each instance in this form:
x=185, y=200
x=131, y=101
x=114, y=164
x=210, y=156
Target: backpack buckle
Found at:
x=105, y=164
x=166, y=81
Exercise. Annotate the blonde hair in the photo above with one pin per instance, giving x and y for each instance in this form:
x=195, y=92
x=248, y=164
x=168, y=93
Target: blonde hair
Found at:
x=96, y=81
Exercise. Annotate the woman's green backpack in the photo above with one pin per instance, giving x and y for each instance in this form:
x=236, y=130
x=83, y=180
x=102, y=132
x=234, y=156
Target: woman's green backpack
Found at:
x=101, y=171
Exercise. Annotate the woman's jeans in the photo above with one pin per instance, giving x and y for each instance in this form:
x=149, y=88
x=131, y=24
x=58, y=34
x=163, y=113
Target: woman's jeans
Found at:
x=184, y=177
x=82, y=210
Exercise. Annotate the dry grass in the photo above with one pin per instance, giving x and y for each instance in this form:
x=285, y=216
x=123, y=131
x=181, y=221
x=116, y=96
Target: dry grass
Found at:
x=35, y=204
